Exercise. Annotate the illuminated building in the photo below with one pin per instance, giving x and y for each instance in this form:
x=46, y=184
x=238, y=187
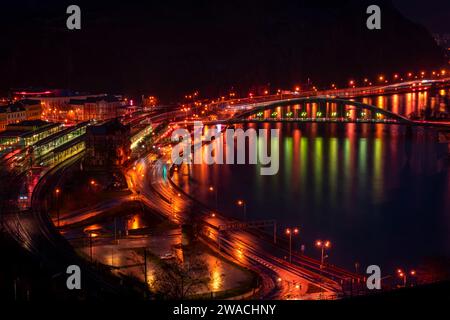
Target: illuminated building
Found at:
x=107, y=144
x=95, y=108
x=27, y=133
x=55, y=103
x=19, y=111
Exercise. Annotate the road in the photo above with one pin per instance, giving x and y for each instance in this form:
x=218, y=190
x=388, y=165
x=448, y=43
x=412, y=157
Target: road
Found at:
x=35, y=232
x=149, y=178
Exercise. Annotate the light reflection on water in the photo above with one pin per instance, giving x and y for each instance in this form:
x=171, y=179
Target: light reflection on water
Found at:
x=381, y=193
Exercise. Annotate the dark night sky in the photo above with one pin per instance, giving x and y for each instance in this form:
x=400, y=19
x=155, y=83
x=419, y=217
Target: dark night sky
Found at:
x=433, y=14
x=168, y=48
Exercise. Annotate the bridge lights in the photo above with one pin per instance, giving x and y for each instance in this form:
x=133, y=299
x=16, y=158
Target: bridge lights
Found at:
x=289, y=232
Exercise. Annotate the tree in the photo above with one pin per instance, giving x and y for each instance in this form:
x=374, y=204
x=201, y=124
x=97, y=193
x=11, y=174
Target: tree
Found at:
x=180, y=279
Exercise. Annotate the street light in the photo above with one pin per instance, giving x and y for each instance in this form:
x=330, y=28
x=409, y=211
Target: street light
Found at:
x=57, y=192
x=323, y=245
x=92, y=234
x=243, y=204
x=289, y=232
x=404, y=274
x=216, y=196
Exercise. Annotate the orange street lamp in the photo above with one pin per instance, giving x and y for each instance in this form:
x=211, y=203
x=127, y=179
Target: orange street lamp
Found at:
x=216, y=196
x=289, y=232
x=241, y=203
x=404, y=274
x=323, y=245
x=57, y=192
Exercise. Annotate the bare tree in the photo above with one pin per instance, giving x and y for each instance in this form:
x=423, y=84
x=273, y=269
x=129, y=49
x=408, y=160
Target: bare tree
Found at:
x=180, y=279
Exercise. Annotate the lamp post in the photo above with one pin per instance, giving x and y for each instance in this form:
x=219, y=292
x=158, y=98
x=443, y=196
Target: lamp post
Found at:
x=92, y=184
x=323, y=245
x=404, y=275
x=57, y=192
x=243, y=204
x=289, y=232
x=216, y=196
x=92, y=234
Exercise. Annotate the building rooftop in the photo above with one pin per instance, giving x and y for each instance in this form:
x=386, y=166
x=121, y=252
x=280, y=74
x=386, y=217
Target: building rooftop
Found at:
x=27, y=128
x=18, y=105
x=108, y=127
x=31, y=123
x=11, y=134
x=107, y=98
x=11, y=108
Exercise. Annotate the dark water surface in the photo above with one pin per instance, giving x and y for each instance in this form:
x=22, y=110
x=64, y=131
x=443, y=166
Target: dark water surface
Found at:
x=380, y=193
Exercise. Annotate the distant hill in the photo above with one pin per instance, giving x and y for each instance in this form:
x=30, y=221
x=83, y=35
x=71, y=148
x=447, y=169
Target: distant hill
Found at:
x=168, y=48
